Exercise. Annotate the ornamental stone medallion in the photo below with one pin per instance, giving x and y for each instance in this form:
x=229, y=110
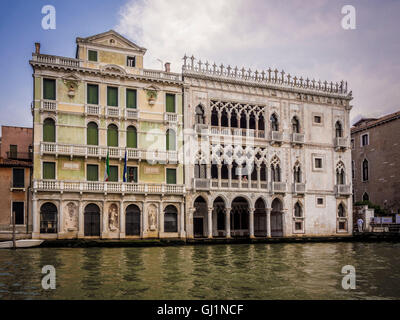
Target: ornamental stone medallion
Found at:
x=71, y=218
x=113, y=217
x=152, y=215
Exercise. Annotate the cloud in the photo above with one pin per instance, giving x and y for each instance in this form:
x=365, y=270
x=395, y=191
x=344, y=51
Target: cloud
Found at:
x=304, y=39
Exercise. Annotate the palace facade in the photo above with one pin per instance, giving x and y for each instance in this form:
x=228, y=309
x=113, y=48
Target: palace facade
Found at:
x=125, y=152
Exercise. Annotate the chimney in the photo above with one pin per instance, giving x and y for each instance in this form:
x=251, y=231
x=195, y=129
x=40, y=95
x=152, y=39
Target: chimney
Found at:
x=37, y=47
x=167, y=67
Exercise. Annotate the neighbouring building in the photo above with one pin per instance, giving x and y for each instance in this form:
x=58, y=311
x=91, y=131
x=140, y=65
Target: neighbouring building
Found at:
x=94, y=109
x=375, y=161
x=212, y=152
x=273, y=156
x=15, y=177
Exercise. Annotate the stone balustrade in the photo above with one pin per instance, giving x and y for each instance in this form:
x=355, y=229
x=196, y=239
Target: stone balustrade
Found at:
x=170, y=117
x=343, y=190
x=48, y=105
x=340, y=143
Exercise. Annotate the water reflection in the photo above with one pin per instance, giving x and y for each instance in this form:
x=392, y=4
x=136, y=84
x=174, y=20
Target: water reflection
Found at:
x=278, y=271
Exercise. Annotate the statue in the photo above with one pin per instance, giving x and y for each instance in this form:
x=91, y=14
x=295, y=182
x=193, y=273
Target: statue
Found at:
x=152, y=211
x=113, y=218
x=71, y=219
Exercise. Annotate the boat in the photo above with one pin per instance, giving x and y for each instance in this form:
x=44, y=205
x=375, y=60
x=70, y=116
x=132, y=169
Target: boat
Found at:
x=24, y=243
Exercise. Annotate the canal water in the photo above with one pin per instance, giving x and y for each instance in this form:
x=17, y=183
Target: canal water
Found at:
x=253, y=271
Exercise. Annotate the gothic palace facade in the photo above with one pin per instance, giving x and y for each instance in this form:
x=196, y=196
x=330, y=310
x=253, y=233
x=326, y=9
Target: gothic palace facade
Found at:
x=126, y=152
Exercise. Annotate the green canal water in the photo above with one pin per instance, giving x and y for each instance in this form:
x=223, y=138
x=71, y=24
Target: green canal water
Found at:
x=254, y=271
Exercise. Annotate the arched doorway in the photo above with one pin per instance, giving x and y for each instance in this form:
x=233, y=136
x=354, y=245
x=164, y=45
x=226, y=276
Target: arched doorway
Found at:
x=170, y=219
x=276, y=218
x=92, y=221
x=200, y=222
x=219, y=211
x=240, y=217
x=132, y=220
x=48, y=218
x=260, y=218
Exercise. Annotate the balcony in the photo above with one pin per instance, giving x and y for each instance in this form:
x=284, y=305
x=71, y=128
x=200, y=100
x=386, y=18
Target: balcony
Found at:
x=340, y=143
x=201, y=128
x=298, y=138
x=132, y=114
x=113, y=112
x=238, y=132
x=86, y=151
x=278, y=187
x=235, y=185
x=48, y=105
x=106, y=187
x=201, y=184
x=343, y=190
x=15, y=155
x=299, y=188
x=170, y=117
x=276, y=137
x=92, y=109
x=49, y=59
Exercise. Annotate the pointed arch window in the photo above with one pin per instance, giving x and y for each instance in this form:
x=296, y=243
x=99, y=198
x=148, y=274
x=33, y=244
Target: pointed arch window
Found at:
x=295, y=125
x=340, y=174
x=339, y=129
x=298, y=212
x=274, y=122
x=365, y=170
x=297, y=174
x=365, y=197
x=199, y=114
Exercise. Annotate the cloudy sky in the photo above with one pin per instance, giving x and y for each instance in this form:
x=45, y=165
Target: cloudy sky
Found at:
x=304, y=38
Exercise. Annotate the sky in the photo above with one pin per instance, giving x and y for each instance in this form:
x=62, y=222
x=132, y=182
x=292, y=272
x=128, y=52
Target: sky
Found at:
x=304, y=38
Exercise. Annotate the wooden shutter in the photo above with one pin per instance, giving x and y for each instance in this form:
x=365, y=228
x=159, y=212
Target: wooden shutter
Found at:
x=49, y=131
x=92, y=55
x=171, y=176
x=131, y=137
x=170, y=102
x=92, y=134
x=170, y=140
x=131, y=98
x=49, y=170
x=49, y=89
x=113, y=174
x=92, y=172
x=18, y=178
x=92, y=94
x=18, y=209
x=112, y=136
x=112, y=96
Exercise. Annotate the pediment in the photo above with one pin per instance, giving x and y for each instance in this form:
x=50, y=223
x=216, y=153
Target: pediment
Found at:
x=112, y=39
x=71, y=76
x=113, y=68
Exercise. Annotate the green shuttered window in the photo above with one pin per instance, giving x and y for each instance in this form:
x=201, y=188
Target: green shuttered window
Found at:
x=49, y=130
x=170, y=102
x=131, y=137
x=49, y=89
x=112, y=136
x=112, y=96
x=170, y=140
x=49, y=170
x=92, y=94
x=92, y=55
x=131, y=98
x=92, y=134
x=171, y=176
x=113, y=174
x=92, y=172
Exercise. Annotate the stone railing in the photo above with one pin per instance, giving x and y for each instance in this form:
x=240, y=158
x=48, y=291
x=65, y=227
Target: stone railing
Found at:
x=170, y=117
x=201, y=184
x=106, y=187
x=276, y=136
x=161, y=75
x=270, y=77
x=73, y=150
x=92, y=109
x=239, y=132
x=298, y=138
x=48, y=105
x=278, y=187
x=131, y=113
x=112, y=111
x=343, y=190
x=44, y=58
x=340, y=142
x=236, y=185
x=299, y=188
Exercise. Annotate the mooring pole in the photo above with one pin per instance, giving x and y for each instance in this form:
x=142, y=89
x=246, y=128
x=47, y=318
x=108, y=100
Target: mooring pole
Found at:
x=13, y=235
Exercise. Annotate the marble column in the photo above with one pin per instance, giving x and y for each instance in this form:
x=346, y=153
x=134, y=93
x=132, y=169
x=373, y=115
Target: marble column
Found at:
x=182, y=220
x=230, y=175
x=209, y=222
x=122, y=230
x=189, y=223
x=60, y=218
x=81, y=220
x=228, y=222
x=251, y=222
x=36, y=219
x=268, y=222
x=219, y=175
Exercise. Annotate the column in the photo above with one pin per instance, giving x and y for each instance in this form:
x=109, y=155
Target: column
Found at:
x=219, y=119
x=230, y=175
x=219, y=175
x=81, y=221
x=161, y=219
x=189, y=223
x=268, y=222
x=122, y=230
x=60, y=217
x=251, y=222
x=228, y=222
x=239, y=168
x=209, y=222
x=143, y=221
x=208, y=172
x=182, y=221
x=249, y=172
x=104, y=220
x=35, y=219
x=258, y=177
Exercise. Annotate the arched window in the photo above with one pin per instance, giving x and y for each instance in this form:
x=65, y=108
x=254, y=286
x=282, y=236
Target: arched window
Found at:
x=276, y=173
x=112, y=135
x=48, y=218
x=132, y=220
x=49, y=130
x=365, y=170
x=92, y=220
x=261, y=124
x=298, y=212
x=200, y=171
x=200, y=118
x=170, y=140
x=92, y=134
x=295, y=125
x=297, y=174
x=170, y=219
x=365, y=197
x=214, y=117
x=339, y=130
x=131, y=137
x=341, y=211
x=274, y=122
x=340, y=174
